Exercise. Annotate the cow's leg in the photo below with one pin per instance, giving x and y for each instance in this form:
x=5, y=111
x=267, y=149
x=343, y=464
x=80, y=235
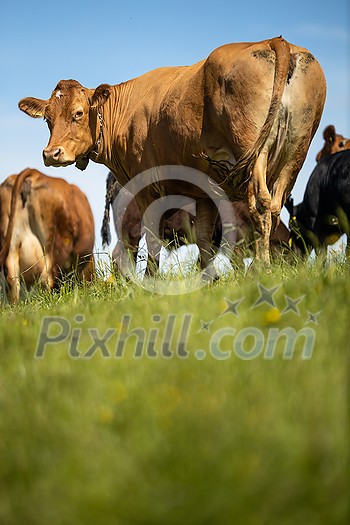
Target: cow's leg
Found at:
x=87, y=267
x=189, y=231
x=259, y=203
x=321, y=252
x=185, y=226
x=154, y=244
x=46, y=234
x=129, y=234
x=343, y=217
x=47, y=275
x=229, y=232
x=206, y=217
x=228, y=237
x=281, y=189
x=153, y=247
x=241, y=250
x=347, y=249
x=12, y=271
x=124, y=257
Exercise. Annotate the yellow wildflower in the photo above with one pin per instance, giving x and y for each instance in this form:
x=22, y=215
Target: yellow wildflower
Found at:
x=272, y=316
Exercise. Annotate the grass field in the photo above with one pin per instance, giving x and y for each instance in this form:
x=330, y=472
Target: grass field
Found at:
x=224, y=415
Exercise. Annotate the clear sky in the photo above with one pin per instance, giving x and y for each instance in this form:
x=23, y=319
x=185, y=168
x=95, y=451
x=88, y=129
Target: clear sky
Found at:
x=115, y=40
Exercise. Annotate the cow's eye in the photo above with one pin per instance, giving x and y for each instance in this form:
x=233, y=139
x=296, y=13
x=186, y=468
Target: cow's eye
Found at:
x=341, y=144
x=78, y=114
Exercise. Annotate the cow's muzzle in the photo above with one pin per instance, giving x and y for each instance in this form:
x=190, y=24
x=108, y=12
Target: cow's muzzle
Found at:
x=55, y=157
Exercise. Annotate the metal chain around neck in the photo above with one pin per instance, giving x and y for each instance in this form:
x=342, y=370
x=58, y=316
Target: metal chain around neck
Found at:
x=83, y=162
x=98, y=142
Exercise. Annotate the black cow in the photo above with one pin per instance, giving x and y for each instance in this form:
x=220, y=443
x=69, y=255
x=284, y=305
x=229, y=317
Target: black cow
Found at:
x=324, y=214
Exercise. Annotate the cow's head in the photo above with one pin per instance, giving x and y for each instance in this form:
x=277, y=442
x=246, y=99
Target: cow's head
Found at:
x=72, y=115
x=333, y=142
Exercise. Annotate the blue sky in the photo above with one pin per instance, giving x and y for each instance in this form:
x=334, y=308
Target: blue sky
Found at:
x=113, y=41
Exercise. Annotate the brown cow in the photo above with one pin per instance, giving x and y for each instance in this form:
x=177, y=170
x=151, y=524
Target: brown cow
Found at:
x=333, y=142
x=236, y=116
x=46, y=230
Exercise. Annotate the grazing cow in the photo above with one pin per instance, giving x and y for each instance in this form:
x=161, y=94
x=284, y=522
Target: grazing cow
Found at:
x=177, y=227
x=245, y=233
x=236, y=116
x=46, y=230
x=323, y=216
x=333, y=142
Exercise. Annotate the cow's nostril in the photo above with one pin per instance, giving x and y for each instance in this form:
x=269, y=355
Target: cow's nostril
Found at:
x=56, y=153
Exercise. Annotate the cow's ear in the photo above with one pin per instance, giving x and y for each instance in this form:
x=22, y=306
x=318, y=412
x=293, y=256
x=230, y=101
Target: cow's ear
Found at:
x=100, y=95
x=34, y=107
x=329, y=134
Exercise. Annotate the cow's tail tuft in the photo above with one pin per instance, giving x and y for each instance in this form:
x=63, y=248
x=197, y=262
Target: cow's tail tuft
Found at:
x=112, y=189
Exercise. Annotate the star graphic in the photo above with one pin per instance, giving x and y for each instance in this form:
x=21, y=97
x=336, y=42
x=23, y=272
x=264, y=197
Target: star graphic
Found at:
x=292, y=304
x=266, y=296
x=205, y=326
x=313, y=317
x=231, y=306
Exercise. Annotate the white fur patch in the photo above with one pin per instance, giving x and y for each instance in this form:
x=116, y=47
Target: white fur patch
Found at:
x=58, y=94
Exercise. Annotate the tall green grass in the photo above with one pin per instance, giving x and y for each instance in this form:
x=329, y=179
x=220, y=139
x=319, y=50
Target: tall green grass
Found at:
x=158, y=439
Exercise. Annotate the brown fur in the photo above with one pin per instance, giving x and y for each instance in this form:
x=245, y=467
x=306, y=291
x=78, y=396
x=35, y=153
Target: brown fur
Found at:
x=237, y=116
x=46, y=229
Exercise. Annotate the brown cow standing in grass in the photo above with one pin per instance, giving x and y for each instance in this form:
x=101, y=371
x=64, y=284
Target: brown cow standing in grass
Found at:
x=238, y=116
x=46, y=230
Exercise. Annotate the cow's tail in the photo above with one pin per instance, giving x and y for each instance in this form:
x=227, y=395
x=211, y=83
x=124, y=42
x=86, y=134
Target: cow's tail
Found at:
x=242, y=170
x=112, y=189
x=14, y=200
